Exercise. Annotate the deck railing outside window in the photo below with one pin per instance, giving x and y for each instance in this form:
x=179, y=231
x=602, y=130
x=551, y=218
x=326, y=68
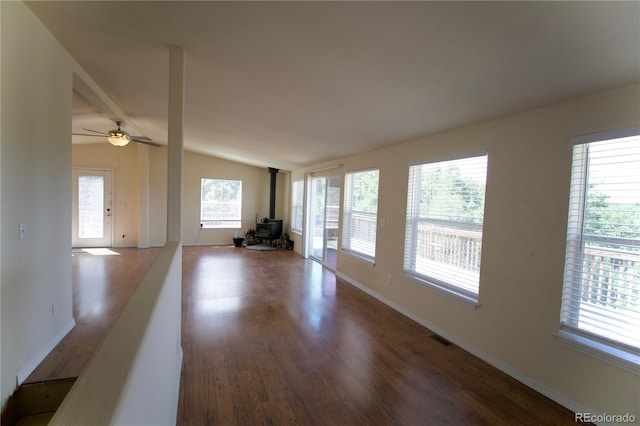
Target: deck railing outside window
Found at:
x=461, y=248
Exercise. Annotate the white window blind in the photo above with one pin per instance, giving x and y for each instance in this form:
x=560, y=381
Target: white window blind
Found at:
x=601, y=296
x=445, y=213
x=360, y=212
x=220, y=203
x=297, y=200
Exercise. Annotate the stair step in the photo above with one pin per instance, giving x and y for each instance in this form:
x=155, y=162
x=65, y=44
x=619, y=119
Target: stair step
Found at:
x=35, y=420
x=36, y=403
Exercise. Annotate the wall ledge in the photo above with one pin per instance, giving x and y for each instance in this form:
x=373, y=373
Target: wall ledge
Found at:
x=129, y=379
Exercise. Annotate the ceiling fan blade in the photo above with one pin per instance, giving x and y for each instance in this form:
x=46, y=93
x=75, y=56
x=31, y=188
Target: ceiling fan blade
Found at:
x=86, y=134
x=95, y=131
x=144, y=140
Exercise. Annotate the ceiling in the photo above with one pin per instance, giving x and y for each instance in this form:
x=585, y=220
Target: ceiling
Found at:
x=288, y=84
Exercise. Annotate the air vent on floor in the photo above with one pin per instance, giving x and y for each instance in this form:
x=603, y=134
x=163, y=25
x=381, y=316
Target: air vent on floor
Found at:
x=441, y=340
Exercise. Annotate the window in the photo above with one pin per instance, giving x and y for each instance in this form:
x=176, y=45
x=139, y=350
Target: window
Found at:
x=601, y=293
x=360, y=213
x=445, y=212
x=297, y=205
x=221, y=203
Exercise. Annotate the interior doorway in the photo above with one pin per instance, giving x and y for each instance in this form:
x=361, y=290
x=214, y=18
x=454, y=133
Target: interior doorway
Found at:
x=92, y=210
x=324, y=220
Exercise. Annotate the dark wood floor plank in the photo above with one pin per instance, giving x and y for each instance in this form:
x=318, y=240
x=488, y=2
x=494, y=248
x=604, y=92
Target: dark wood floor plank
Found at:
x=271, y=339
x=301, y=347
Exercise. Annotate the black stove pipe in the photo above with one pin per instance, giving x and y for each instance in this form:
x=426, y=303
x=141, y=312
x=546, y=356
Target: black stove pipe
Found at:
x=272, y=192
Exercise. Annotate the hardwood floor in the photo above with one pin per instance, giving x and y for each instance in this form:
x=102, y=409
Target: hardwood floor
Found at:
x=271, y=338
x=103, y=282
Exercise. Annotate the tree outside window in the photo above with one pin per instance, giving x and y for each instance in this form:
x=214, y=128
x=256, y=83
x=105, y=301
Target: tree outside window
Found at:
x=221, y=203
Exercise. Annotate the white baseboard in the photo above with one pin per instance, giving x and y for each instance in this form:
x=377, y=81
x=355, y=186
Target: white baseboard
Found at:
x=25, y=372
x=495, y=362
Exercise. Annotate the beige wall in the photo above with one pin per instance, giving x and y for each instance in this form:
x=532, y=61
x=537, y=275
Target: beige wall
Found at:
x=124, y=163
x=255, y=196
x=36, y=191
x=523, y=246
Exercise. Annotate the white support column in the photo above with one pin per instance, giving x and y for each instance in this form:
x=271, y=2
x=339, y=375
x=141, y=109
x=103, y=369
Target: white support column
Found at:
x=175, y=153
x=143, y=196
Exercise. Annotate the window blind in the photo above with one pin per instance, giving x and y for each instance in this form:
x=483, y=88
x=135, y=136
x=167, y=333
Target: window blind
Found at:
x=445, y=214
x=360, y=212
x=601, y=293
x=220, y=203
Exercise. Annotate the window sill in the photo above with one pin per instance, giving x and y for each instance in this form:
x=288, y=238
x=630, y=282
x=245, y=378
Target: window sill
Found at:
x=617, y=357
x=463, y=299
x=360, y=257
x=220, y=227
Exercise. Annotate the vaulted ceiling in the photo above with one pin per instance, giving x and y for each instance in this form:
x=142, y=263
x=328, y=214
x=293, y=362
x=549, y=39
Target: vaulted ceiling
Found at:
x=287, y=84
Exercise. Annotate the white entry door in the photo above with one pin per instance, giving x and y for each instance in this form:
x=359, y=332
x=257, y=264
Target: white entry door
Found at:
x=92, y=208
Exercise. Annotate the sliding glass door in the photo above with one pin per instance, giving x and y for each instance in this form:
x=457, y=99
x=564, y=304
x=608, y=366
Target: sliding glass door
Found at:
x=324, y=219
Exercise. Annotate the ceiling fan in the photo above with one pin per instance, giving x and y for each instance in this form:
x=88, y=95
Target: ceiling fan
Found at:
x=119, y=137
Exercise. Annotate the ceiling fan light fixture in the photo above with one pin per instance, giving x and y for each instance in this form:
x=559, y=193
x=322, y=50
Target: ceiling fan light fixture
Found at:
x=118, y=138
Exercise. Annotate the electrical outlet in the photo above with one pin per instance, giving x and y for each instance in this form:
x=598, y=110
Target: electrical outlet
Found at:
x=22, y=231
x=54, y=310
x=389, y=280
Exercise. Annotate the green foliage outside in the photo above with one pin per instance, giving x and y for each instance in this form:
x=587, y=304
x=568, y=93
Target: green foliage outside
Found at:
x=221, y=190
x=447, y=195
x=617, y=285
x=365, y=192
x=607, y=219
x=221, y=200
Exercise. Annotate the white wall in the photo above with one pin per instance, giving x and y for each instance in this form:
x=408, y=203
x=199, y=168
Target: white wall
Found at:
x=523, y=246
x=36, y=191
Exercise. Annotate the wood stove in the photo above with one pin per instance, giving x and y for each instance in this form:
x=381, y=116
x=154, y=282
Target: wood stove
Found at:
x=271, y=230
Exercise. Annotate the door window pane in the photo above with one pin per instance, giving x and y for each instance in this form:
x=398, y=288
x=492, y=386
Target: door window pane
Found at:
x=90, y=206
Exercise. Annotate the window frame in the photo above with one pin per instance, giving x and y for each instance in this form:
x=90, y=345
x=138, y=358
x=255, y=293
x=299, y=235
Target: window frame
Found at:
x=348, y=212
x=607, y=349
x=449, y=289
x=206, y=223
x=297, y=207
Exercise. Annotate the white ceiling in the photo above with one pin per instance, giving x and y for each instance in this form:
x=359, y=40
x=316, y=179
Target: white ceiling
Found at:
x=287, y=84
